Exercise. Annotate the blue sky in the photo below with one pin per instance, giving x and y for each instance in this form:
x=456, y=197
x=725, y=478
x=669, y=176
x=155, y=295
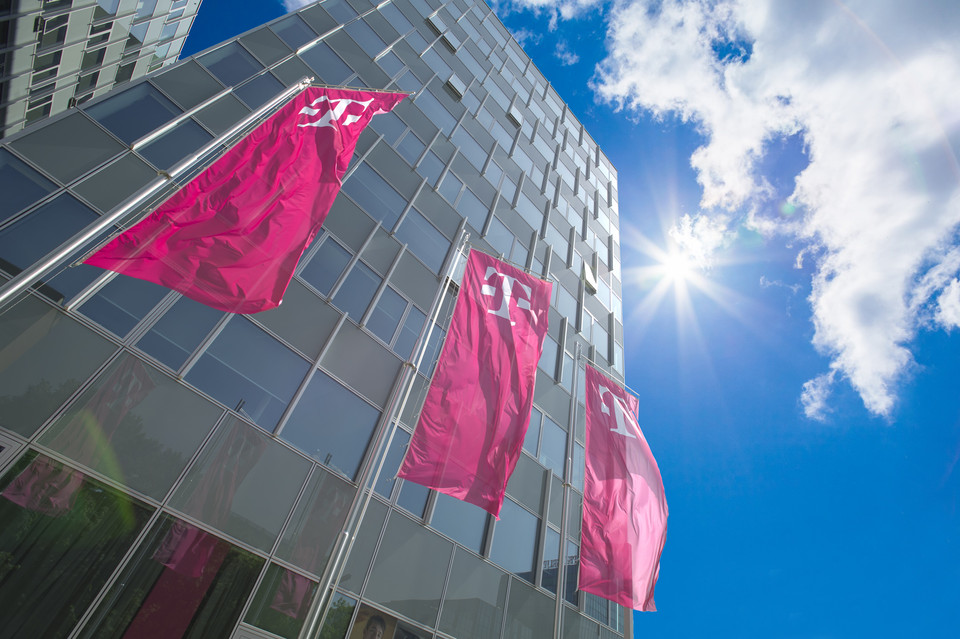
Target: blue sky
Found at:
x=799, y=377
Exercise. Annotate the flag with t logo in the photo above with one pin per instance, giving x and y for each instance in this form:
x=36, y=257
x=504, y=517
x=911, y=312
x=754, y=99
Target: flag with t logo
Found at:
x=624, y=508
x=232, y=237
x=471, y=428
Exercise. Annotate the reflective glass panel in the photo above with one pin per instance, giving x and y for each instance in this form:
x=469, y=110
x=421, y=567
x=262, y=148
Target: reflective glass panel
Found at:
x=325, y=267
x=553, y=446
x=175, y=144
x=46, y=357
x=529, y=613
x=151, y=110
x=20, y=184
x=462, y=522
x=328, y=66
x=282, y=602
x=475, y=598
x=71, y=146
x=182, y=582
x=247, y=370
x=551, y=560
x=374, y=195
x=244, y=484
x=409, y=333
x=386, y=314
x=331, y=424
x=515, y=540
x=178, y=333
x=312, y=531
x=294, y=31
x=259, y=90
x=358, y=562
x=122, y=303
x=134, y=425
x=231, y=64
x=62, y=536
x=423, y=239
x=409, y=570
x=357, y=291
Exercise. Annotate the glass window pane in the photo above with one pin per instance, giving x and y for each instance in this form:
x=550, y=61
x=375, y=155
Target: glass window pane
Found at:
x=328, y=66
x=374, y=195
x=259, y=90
x=316, y=522
x=231, y=64
x=388, y=476
x=49, y=356
x=358, y=562
x=553, y=446
x=188, y=84
x=357, y=291
x=134, y=425
x=515, y=540
x=70, y=147
x=175, y=144
x=386, y=314
x=529, y=613
x=339, y=10
x=331, y=424
x=338, y=617
x=430, y=167
x=282, y=602
x=450, y=188
x=246, y=369
x=294, y=31
x=462, y=522
x=178, y=333
x=409, y=570
x=244, y=484
x=390, y=62
x=423, y=239
x=366, y=37
x=571, y=561
x=526, y=483
x=303, y=319
x=389, y=125
x=473, y=208
x=134, y=112
x=182, y=582
x=475, y=598
x=266, y=46
x=113, y=184
x=20, y=184
x=222, y=114
x=551, y=561
x=407, y=338
x=436, y=112
x=413, y=498
x=325, y=267
x=411, y=147
x=532, y=439
x=62, y=536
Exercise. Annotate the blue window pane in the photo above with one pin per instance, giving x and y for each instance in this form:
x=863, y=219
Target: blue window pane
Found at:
x=122, y=303
x=411, y=147
x=339, y=10
x=326, y=64
x=386, y=315
x=553, y=447
x=178, y=333
x=409, y=333
x=462, y=522
x=380, y=200
x=389, y=126
x=21, y=185
x=473, y=208
x=323, y=270
x=424, y=240
x=259, y=90
x=247, y=368
x=294, y=31
x=532, y=438
x=388, y=476
x=450, y=188
x=357, y=291
x=366, y=37
x=231, y=64
x=332, y=425
x=135, y=112
x=431, y=167
x=515, y=540
x=176, y=144
x=437, y=113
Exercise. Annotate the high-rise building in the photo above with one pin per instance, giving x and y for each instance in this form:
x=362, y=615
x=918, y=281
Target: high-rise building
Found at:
x=167, y=469
x=55, y=54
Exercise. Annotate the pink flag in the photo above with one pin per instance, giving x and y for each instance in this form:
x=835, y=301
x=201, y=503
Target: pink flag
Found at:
x=476, y=413
x=232, y=237
x=624, y=508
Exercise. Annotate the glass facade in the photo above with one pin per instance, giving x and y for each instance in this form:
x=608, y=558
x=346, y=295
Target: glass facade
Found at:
x=56, y=54
x=170, y=467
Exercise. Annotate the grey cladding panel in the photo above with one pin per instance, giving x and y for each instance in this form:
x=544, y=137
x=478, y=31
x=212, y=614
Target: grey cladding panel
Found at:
x=552, y=398
x=362, y=363
x=415, y=281
x=348, y=222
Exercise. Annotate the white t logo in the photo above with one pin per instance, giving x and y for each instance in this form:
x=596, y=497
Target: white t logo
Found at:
x=619, y=412
x=507, y=286
x=338, y=106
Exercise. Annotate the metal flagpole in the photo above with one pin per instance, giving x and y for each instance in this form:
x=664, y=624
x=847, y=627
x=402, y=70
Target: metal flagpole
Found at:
x=59, y=255
x=567, y=476
x=371, y=473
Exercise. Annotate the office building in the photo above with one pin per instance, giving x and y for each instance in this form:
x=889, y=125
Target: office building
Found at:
x=171, y=470
x=55, y=54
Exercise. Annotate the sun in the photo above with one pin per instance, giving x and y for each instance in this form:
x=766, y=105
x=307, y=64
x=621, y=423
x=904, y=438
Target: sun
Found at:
x=678, y=265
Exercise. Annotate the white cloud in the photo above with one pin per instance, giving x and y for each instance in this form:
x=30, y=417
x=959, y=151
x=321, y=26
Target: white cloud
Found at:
x=948, y=305
x=815, y=397
x=565, y=55
x=526, y=37
x=700, y=237
x=873, y=88
x=293, y=5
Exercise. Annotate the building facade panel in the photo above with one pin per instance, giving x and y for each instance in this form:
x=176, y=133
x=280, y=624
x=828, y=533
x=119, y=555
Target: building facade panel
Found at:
x=214, y=458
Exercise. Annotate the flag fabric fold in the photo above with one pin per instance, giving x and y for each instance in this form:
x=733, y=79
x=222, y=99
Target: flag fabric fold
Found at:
x=624, y=507
x=473, y=421
x=231, y=237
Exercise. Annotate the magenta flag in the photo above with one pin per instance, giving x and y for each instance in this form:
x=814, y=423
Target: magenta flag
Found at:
x=471, y=428
x=624, y=508
x=232, y=237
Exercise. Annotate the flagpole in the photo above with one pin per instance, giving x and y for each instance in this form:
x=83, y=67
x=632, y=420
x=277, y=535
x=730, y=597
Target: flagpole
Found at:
x=59, y=255
x=371, y=474
x=567, y=477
